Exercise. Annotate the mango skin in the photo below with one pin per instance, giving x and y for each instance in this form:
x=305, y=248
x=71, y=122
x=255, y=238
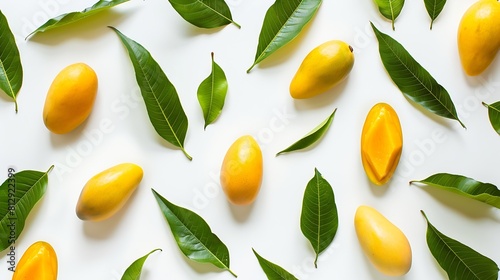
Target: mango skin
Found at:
x=478, y=36
x=381, y=143
x=70, y=98
x=241, y=171
x=383, y=243
x=323, y=68
x=106, y=193
x=38, y=262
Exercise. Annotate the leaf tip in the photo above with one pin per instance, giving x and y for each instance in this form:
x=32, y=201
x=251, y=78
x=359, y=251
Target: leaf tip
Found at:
x=423, y=214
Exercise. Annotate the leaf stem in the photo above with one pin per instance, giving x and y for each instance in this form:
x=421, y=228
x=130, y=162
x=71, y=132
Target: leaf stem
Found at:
x=251, y=67
x=232, y=273
x=237, y=25
x=15, y=102
x=186, y=154
x=316, y=261
x=485, y=105
x=50, y=168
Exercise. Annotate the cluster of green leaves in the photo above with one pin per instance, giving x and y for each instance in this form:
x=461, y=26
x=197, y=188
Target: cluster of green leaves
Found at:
x=391, y=9
x=457, y=259
x=194, y=237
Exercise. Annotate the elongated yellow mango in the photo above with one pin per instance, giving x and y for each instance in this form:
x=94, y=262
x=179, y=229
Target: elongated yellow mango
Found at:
x=107, y=192
x=38, y=262
x=241, y=171
x=323, y=68
x=70, y=98
x=478, y=36
x=383, y=243
x=381, y=143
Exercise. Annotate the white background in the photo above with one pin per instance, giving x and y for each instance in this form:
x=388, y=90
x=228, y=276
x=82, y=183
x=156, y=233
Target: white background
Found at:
x=258, y=104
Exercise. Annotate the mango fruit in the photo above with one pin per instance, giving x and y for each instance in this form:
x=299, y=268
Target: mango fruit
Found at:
x=241, y=171
x=478, y=36
x=323, y=68
x=70, y=98
x=383, y=243
x=381, y=143
x=38, y=262
x=106, y=193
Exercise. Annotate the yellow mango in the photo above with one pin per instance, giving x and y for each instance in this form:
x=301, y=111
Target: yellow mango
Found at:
x=383, y=243
x=323, y=68
x=478, y=36
x=70, y=98
x=107, y=192
x=381, y=143
x=38, y=262
x=241, y=171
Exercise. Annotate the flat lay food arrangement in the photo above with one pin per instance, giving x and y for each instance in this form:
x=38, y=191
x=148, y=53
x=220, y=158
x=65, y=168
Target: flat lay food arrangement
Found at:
x=222, y=139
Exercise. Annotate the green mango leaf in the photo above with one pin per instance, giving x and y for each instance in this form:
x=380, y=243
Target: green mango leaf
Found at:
x=134, y=271
x=319, y=219
x=162, y=102
x=11, y=69
x=273, y=271
x=464, y=186
x=457, y=259
x=70, y=18
x=212, y=93
x=18, y=195
x=312, y=137
x=193, y=235
x=284, y=20
x=390, y=9
x=494, y=115
x=204, y=13
x=434, y=8
x=412, y=79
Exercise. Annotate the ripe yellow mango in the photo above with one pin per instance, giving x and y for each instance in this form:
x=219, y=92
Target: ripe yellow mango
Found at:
x=241, y=171
x=478, y=36
x=383, y=243
x=70, y=98
x=323, y=68
x=381, y=143
x=107, y=192
x=38, y=262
